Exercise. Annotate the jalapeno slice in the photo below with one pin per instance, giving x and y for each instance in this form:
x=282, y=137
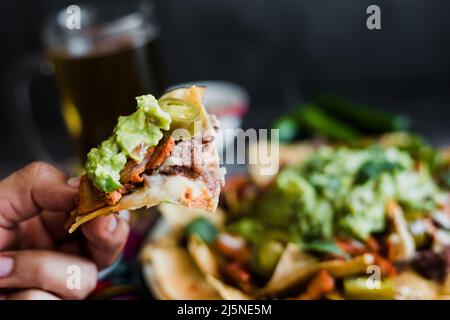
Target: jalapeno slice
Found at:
x=269, y=251
x=183, y=114
x=268, y=254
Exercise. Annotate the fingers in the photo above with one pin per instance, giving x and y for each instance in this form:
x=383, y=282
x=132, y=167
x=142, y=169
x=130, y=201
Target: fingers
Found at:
x=54, y=223
x=106, y=237
x=36, y=187
x=67, y=276
x=31, y=294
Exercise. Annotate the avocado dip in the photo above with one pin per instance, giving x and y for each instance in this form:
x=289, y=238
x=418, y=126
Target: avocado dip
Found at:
x=131, y=138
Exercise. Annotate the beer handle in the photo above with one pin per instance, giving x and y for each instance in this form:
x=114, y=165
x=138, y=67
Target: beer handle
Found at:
x=20, y=112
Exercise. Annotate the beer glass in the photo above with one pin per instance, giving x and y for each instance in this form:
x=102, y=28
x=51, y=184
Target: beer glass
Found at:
x=102, y=56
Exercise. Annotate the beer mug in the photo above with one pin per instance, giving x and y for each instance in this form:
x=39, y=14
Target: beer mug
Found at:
x=102, y=57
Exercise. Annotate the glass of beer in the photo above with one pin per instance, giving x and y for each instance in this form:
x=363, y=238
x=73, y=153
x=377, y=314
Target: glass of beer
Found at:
x=102, y=57
x=102, y=66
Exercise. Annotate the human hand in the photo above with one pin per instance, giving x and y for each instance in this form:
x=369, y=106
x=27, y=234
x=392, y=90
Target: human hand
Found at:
x=35, y=249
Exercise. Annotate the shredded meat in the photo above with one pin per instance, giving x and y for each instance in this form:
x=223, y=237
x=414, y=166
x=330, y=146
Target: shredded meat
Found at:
x=90, y=198
x=319, y=286
x=184, y=157
x=113, y=197
x=197, y=155
x=187, y=158
x=386, y=266
x=181, y=155
x=432, y=265
x=236, y=273
x=350, y=246
x=179, y=170
x=161, y=153
x=132, y=172
x=212, y=179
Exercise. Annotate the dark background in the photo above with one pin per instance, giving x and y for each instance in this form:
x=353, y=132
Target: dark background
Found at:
x=275, y=49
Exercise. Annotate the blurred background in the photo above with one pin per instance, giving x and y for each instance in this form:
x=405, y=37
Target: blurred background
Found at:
x=281, y=52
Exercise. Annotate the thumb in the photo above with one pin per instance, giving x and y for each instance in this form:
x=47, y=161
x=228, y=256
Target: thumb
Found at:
x=38, y=186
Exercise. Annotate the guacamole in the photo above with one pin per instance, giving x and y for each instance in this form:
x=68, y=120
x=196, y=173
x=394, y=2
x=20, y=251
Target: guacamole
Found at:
x=131, y=138
x=341, y=191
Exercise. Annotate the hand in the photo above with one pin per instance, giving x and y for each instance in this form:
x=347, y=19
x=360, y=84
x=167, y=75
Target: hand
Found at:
x=35, y=248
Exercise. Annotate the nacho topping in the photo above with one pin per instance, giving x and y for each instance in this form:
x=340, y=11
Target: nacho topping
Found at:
x=323, y=226
x=104, y=164
x=132, y=137
x=161, y=153
x=142, y=128
x=183, y=114
x=127, y=171
x=132, y=172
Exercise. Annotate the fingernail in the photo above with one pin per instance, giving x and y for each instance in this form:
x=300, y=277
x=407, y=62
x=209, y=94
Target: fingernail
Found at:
x=112, y=225
x=74, y=182
x=6, y=266
x=125, y=215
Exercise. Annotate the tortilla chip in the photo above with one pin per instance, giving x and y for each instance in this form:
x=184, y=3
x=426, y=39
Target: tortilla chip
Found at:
x=294, y=268
x=203, y=256
x=173, y=275
x=291, y=259
x=156, y=189
x=301, y=271
x=227, y=292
